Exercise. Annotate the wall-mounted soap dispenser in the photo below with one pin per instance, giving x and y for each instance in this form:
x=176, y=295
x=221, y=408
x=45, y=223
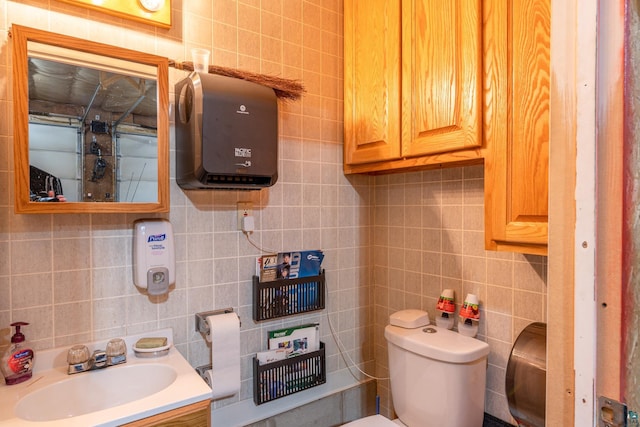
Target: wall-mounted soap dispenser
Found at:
x=154, y=262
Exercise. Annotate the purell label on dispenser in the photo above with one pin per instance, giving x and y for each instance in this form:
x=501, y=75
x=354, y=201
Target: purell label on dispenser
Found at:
x=470, y=311
x=446, y=304
x=156, y=243
x=156, y=238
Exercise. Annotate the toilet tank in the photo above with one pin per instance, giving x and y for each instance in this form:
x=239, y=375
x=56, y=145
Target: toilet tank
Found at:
x=438, y=376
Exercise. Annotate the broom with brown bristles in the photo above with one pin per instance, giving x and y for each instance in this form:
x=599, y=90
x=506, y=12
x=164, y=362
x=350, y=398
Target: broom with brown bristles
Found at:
x=284, y=88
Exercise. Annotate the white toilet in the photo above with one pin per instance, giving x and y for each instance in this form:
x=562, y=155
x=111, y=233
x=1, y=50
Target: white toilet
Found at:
x=437, y=376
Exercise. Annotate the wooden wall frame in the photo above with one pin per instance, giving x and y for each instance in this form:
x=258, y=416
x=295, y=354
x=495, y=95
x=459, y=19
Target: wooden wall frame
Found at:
x=131, y=9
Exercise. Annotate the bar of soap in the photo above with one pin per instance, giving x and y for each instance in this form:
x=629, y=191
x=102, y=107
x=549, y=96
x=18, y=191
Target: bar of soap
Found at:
x=151, y=342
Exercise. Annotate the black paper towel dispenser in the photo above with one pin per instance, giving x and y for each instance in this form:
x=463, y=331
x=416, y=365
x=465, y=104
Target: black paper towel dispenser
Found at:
x=226, y=133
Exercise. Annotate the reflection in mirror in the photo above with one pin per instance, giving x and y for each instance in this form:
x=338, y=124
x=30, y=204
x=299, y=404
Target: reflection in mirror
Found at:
x=82, y=119
x=94, y=119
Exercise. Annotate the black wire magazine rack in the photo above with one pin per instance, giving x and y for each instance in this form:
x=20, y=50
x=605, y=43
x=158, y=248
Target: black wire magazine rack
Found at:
x=286, y=297
x=285, y=377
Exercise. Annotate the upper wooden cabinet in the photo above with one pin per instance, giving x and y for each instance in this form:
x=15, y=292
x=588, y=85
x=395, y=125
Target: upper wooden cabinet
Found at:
x=429, y=84
x=516, y=39
x=413, y=84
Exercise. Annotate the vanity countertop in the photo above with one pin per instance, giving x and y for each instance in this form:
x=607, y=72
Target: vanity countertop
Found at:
x=51, y=368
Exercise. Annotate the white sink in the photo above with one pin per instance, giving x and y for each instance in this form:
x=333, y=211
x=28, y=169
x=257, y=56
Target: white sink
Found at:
x=94, y=391
x=142, y=387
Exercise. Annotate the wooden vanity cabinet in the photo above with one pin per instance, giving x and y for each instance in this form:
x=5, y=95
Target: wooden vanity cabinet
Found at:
x=413, y=84
x=517, y=58
x=195, y=415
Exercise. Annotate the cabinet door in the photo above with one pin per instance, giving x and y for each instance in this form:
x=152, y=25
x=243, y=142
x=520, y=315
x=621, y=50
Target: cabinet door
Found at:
x=371, y=80
x=441, y=76
x=194, y=415
x=517, y=166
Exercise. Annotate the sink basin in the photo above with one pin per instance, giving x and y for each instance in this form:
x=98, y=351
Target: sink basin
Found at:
x=94, y=391
x=143, y=387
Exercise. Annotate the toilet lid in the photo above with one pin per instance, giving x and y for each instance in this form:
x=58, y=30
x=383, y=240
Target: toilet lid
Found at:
x=372, y=421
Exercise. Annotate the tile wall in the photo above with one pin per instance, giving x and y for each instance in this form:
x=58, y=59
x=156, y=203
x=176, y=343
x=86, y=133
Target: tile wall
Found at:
x=391, y=242
x=70, y=275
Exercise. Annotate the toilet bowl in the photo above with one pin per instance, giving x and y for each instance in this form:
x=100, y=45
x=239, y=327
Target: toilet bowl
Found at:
x=437, y=376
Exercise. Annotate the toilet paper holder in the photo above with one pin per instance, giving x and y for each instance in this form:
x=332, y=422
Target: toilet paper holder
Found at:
x=202, y=371
x=201, y=319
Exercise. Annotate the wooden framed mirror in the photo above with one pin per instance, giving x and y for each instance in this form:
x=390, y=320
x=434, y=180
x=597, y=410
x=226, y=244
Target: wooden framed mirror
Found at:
x=91, y=126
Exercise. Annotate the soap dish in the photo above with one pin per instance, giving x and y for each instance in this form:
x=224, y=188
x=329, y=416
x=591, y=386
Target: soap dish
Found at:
x=152, y=352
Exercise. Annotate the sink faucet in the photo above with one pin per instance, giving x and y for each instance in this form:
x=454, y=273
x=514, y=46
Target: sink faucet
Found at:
x=79, y=359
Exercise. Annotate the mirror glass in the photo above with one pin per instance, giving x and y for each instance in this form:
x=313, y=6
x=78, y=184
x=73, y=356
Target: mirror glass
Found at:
x=91, y=126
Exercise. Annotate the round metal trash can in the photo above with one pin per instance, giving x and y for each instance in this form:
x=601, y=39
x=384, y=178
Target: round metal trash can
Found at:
x=526, y=376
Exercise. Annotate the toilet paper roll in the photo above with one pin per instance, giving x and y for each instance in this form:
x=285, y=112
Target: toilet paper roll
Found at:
x=224, y=336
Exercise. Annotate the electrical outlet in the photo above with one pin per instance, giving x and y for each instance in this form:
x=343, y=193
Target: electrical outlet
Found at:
x=244, y=209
